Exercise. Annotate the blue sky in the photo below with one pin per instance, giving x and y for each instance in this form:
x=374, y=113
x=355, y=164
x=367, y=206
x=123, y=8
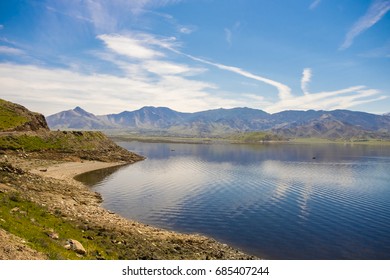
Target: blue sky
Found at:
x=193, y=55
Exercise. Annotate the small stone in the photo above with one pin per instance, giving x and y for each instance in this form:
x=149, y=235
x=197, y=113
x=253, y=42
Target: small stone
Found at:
x=53, y=235
x=15, y=209
x=76, y=246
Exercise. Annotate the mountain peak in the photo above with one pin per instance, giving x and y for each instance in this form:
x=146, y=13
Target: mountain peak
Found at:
x=80, y=110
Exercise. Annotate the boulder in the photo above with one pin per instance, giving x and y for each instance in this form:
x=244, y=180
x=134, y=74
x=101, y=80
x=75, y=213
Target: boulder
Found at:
x=75, y=246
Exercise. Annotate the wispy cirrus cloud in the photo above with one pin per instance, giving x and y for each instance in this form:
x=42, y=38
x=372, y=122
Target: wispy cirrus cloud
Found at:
x=283, y=90
x=74, y=14
x=379, y=52
x=229, y=33
x=186, y=29
x=326, y=100
x=10, y=51
x=314, y=4
x=108, y=16
x=228, y=36
x=375, y=13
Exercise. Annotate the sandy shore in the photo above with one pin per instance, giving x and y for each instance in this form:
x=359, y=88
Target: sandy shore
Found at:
x=68, y=170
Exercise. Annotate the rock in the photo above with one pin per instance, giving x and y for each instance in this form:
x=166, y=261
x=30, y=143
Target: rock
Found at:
x=53, y=235
x=15, y=209
x=75, y=246
x=24, y=213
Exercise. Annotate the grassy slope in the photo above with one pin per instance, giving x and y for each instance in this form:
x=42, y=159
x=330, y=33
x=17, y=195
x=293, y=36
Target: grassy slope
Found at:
x=32, y=222
x=61, y=141
x=9, y=119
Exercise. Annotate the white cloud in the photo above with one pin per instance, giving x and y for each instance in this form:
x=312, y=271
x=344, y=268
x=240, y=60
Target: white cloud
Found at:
x=52, y=90
x=228, y=36
x=10, y=51
x=169, y=68
x=107, y=16
x=327, y=100
x=343, y=98
x=314, y=4
x=130, y=47
x=1, y=26
x=374, y=14
x=152, y=76
x=149, y=53
x=283, y=90
x=229, y=32
x=306, y=77
x=74, y=14
x=186, y=29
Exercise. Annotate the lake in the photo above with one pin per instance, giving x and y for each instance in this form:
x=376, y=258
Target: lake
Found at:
x=275, y=201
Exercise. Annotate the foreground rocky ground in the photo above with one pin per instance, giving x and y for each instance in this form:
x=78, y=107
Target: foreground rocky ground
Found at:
x=45, y=179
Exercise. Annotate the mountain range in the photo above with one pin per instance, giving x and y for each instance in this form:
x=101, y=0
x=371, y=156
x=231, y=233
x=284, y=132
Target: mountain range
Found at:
x=165, y=121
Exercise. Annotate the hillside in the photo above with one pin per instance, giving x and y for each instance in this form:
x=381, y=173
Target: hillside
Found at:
x=21, y=129
x=162, y=121
x=14, y=117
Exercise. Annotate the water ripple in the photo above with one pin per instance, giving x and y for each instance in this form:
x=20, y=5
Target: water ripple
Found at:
x=274, y=202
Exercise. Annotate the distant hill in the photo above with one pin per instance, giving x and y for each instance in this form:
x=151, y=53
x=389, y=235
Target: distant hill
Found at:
x=76, y=119
x=164, y=121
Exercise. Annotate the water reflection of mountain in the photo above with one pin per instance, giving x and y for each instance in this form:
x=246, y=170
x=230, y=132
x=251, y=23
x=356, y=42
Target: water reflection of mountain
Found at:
x=249, y=154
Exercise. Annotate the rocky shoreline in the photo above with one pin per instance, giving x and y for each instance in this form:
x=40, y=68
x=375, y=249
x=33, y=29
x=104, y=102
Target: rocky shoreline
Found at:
x=48, y=181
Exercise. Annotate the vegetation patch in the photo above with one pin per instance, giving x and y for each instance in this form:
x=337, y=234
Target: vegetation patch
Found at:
x=65, y=141
x=9, y=119
x=28, y=143
x=49, y=233
x=256, y=137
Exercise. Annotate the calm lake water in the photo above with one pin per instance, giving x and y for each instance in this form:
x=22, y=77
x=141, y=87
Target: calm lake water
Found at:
x=289, y=201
